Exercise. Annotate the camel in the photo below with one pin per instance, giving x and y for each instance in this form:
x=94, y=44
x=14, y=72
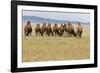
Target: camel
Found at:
x=37, y=30
x=61, y=30
x=43, y=29
x=49, y=30
x=79, y=30
x=28, y=29
x=55, y=30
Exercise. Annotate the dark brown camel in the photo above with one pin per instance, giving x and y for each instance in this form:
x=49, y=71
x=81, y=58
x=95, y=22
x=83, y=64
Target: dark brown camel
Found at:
x=61, y=30
x=28, y=29
x=43, y=30
x=71, y=30
x=79, y=30
x=49, y=30
x=56, y=30
x=65, y=29
x=37, y=30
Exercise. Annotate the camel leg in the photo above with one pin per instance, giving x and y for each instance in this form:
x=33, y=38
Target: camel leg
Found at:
x=55, y=34
x=80, y=34
x=52, y=33
x=35, y=34
x=66, y=33
x=30, y=33
x=42, y=34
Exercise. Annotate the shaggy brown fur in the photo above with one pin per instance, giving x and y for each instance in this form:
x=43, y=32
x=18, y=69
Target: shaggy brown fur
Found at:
x=79, y=30
x=43, y=29
x=56, y=30
x=65, y=30
x=71, y=30
x=49, y=30
x=37, y=30
x=28, y=29
x=61, y=30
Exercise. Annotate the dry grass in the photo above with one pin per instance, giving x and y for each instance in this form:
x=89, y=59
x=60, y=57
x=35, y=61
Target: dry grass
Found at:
x=56, y=48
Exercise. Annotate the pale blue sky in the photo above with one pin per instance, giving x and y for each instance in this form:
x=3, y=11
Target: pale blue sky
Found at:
x=82, y=17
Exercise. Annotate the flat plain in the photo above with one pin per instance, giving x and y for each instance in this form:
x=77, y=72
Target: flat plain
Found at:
x=37, y=49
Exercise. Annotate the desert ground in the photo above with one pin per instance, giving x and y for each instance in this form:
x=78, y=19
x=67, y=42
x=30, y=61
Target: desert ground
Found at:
x=37, y=49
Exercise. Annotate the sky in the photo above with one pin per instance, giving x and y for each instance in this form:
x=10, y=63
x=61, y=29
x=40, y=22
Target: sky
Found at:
x=68, y=16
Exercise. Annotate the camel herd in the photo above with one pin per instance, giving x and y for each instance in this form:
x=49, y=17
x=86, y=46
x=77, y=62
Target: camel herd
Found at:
x=47, y=30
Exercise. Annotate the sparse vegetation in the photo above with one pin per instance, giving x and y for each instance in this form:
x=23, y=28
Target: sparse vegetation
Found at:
x=56, y=48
